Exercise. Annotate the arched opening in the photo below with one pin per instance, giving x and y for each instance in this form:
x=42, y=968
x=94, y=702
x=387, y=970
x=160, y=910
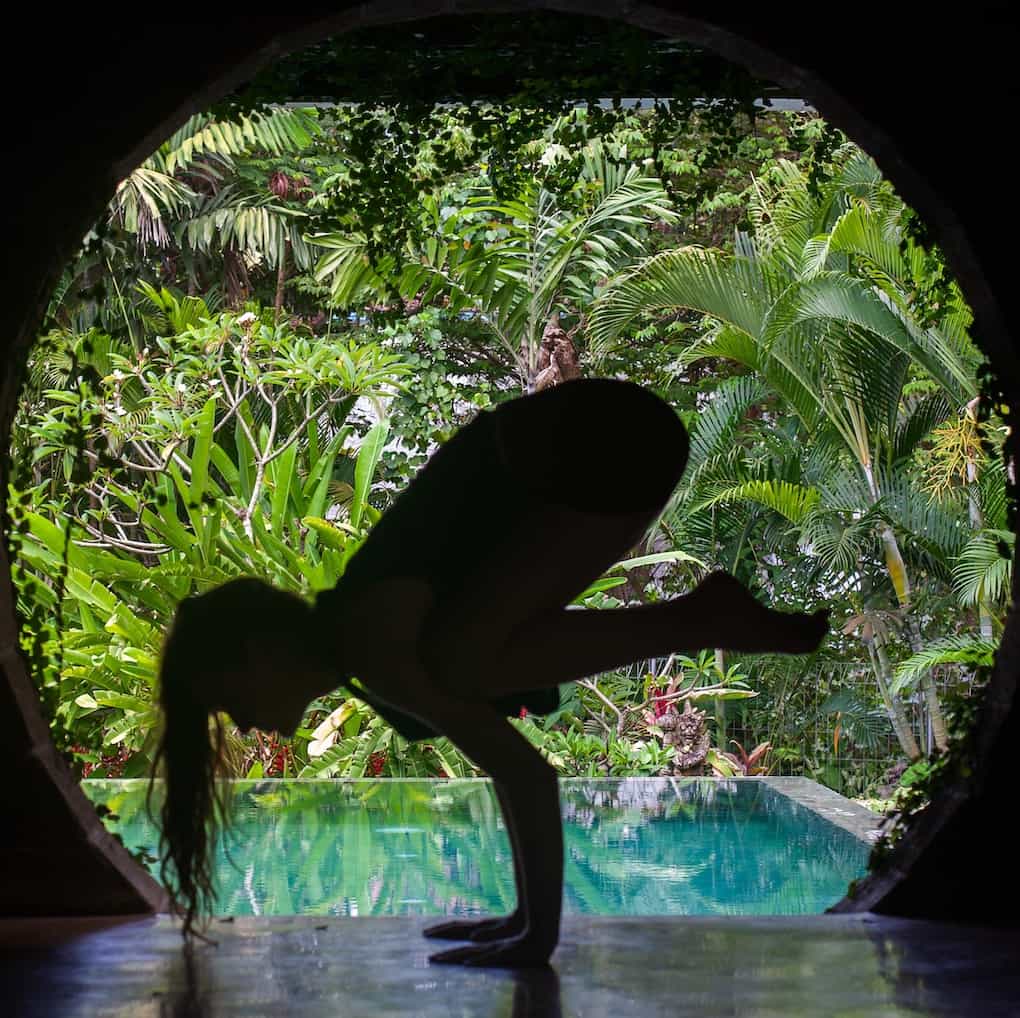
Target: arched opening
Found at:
x=137, y=137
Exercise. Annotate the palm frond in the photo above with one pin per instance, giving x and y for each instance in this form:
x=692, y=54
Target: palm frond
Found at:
x=839, y=544
x=794, y=502
x=733, y=290
x=252, y=223
x=717, y=425
x=865, y=726
x=866, y=235
x=968, y=651
x=277, y=130
x=993, y=495
x=142, y=202
x=920, y=418
x=848, y=302
x=981, y=573
x=934, y=529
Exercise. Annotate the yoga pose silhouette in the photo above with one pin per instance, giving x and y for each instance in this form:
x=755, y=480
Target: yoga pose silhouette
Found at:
x=452, y=616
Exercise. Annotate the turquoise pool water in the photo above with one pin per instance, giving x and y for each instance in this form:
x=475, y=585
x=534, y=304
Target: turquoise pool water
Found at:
x=634, y=846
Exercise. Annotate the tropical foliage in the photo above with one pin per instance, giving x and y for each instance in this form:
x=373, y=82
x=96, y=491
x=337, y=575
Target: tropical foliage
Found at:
x=248, y=361
x=815, y=308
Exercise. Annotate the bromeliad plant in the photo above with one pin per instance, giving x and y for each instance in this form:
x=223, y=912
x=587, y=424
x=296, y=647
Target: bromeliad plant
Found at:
x=743, y=763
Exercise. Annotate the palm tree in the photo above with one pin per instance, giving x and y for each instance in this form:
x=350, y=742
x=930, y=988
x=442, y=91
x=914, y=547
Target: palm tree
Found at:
x=169, y=195
x=817, y=307
x=188, y=202
x=518, y=264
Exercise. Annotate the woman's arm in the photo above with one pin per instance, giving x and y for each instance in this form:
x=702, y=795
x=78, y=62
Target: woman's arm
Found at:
x=384, y=632
x=380, y=634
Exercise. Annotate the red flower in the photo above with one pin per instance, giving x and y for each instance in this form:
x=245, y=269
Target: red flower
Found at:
x=659, y=707
x=280, y=184
x=524, y=713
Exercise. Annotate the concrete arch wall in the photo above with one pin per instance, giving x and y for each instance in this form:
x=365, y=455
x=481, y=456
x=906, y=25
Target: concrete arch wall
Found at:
x=102, y=94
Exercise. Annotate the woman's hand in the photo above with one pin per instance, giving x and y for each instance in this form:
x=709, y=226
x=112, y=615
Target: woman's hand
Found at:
x=526, y=950
x=479, y=930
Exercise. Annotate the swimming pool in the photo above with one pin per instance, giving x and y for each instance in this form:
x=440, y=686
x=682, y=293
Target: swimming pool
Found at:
x=633, y=846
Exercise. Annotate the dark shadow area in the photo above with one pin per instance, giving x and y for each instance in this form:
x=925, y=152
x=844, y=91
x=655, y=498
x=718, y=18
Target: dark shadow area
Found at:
x=934, y=970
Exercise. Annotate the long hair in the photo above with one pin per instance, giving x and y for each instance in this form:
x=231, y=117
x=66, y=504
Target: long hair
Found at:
x=206, y=639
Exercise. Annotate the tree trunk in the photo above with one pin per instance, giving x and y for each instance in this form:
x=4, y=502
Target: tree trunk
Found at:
x=893, y=706
x=557, y=360
x=928, y=689
x=901, y=584
x=281, y=276
x=236, y=282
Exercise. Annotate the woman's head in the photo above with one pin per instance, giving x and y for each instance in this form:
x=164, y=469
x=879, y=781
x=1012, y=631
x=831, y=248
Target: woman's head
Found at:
x=245, y=648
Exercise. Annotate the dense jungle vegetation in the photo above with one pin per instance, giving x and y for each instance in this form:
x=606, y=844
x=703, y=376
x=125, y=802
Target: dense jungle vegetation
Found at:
x=285, y=310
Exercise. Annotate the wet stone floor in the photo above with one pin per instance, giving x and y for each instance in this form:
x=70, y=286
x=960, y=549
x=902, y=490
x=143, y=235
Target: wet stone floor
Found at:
x=709, y=967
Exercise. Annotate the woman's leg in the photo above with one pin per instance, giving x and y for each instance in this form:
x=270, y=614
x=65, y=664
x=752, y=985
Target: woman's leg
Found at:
x=591, y=465
x=563, y=645
x=595, y=464
x=529, y=798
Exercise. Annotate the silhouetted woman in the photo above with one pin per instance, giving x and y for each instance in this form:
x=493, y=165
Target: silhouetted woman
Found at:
x=451, y=616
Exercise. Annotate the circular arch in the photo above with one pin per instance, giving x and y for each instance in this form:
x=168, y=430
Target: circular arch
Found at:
x=71, y=864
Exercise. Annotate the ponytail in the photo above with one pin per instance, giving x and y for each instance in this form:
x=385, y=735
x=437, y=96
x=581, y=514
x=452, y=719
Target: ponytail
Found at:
x=188, y=755
x=205, y=644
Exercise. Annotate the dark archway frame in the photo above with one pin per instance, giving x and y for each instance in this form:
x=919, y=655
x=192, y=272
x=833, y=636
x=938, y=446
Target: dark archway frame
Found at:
x=61, y=860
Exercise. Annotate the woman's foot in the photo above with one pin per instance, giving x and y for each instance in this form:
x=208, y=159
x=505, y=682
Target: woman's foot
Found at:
x=744, y=624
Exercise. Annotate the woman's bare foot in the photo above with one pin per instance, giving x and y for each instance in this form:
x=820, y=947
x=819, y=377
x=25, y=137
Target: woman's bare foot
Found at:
x=744, y=624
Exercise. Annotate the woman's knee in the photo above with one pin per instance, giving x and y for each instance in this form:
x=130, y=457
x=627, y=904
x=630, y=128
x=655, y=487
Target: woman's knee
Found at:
x=597, y=445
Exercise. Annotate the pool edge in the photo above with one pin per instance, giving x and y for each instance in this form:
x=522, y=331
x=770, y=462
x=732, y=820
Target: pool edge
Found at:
x=859, y=821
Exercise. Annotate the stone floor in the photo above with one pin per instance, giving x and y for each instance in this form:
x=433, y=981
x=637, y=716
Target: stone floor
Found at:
x=707, y=967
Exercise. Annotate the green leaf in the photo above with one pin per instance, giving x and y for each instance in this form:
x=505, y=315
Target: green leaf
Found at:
x=792, y=501
x=368, y=458
x=962, y=650
x=655, y=558
x=321, y=475
x=598, y=587
x=281, y=474
x=721, y=764
x=332, y=535
x=122, y=701
x=697, y=695
x=201, y=450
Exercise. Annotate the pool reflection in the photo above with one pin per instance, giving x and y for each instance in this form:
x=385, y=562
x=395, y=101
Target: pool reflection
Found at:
x=635, y=846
